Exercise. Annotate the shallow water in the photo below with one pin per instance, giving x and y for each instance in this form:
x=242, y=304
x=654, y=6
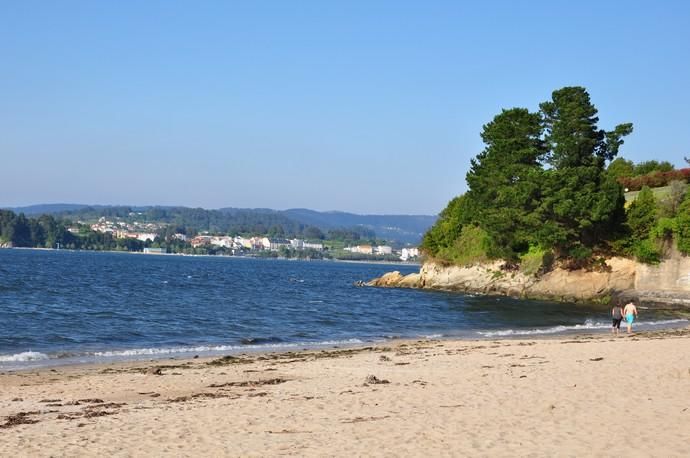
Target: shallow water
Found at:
x=61, y=306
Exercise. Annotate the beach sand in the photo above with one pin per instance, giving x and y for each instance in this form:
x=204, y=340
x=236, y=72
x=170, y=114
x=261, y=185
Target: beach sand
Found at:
x=571, y=396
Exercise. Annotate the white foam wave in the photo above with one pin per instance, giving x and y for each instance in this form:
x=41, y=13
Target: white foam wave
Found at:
x=217, y=348
x=24, y=356
x=587, y=325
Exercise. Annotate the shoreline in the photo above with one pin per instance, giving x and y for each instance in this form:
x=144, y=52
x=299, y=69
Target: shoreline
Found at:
x=260, y=352
x=392, y=263
x=408, y=397
x=43, y=361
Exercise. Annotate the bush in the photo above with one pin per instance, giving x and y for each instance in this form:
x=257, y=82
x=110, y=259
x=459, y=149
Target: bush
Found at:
x=682, y=226
x=471, y=247
x=536, y=260
x=664, y=229
x=647, y=251
x=641, y=214
x=654, y=179
x=579, y=257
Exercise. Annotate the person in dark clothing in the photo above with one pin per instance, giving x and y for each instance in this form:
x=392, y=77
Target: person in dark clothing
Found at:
x=617, y=317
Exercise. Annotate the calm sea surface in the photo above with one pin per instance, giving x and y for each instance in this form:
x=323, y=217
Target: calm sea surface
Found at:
x=65, y=307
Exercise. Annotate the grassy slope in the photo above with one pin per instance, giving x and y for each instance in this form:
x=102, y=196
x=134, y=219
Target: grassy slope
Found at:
x=659, y=193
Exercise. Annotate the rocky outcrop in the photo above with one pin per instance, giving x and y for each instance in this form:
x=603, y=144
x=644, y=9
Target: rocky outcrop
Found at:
x=617, y=276
x=396, y=280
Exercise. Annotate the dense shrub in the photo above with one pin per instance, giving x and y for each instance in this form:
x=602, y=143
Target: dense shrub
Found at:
x=682, y=226
x=642, y=214
x=654, y=179
x=536, y=260
x=647, y=251
x=471, y=247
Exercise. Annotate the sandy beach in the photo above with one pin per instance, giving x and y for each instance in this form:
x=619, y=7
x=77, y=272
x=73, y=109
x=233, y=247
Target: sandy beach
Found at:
x=571, y=396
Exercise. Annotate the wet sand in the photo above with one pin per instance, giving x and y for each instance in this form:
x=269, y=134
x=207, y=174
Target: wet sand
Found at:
x=569, y=396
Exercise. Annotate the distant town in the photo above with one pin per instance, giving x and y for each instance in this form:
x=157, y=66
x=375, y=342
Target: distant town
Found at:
x=295, y=234
x=239, y=245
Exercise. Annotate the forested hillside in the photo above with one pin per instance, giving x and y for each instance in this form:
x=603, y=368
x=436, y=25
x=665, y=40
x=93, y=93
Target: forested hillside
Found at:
x=310, y=224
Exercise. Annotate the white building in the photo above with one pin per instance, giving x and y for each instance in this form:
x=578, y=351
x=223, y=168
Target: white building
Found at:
x=145, y=236
x=313, y=246
x=274, y=244
x=299, y=244
x=363, y=249
x=383, y=249
x=154, y=250
x=409, y=253
x=222, y=241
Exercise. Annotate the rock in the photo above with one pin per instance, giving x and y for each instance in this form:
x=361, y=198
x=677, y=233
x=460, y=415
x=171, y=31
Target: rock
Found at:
x=409, y=281
x=620, y=277
x=396, y=280
x=388, y=279
x=373, y=380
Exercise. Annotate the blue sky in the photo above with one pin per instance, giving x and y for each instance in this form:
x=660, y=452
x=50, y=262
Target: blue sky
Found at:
x=369, y=107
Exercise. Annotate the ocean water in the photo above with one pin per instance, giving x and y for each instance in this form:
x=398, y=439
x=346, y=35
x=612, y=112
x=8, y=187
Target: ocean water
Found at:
x=61, y=307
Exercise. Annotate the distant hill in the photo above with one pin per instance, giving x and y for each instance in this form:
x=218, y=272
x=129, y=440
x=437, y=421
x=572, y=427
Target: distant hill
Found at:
x=396, y=228
x=402, y=228
x=46, y=209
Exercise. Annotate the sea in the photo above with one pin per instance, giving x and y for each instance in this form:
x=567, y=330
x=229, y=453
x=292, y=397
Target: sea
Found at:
x=64, y=307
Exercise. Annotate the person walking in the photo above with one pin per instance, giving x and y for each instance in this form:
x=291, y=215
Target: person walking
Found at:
x=630, y=312
x=617, y=317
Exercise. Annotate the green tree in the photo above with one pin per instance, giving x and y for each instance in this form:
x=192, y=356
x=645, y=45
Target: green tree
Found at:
x=21, y=232
x=447, y=228
x=570, y=120
x=643, y=168
x=620, y=167
x=580, y=204
x=683, y=225
x=313, y=233
x=671, y=201
x=541, y=181
x=504, y=181
x=642, y=214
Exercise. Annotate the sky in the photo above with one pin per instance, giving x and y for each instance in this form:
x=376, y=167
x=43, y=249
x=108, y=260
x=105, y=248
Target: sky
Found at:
x=360, y=106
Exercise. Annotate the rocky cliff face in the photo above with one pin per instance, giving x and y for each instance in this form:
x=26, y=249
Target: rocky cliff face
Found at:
x=667, y=283
x=559, y=284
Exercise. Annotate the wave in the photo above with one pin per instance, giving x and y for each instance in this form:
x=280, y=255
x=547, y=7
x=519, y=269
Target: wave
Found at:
x=31, y=356
x=218, y=348
x=587, y=325
x=260, y=340
x=23, y=357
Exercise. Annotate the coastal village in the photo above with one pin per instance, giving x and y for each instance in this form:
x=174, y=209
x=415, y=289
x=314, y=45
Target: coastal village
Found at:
x=238, y=245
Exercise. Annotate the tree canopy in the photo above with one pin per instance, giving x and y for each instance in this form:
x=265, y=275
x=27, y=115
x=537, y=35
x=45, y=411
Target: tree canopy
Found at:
x=541, y=181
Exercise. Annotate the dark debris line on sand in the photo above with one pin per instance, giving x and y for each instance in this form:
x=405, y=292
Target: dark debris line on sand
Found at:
x=21, y=418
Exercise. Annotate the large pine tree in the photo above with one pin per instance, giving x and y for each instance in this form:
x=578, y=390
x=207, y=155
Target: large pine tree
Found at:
x=581, y=204
x=504, y=180
x=541, y=180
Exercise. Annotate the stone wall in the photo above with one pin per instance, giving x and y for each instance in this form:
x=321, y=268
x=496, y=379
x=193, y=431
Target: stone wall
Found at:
x=673, y=274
